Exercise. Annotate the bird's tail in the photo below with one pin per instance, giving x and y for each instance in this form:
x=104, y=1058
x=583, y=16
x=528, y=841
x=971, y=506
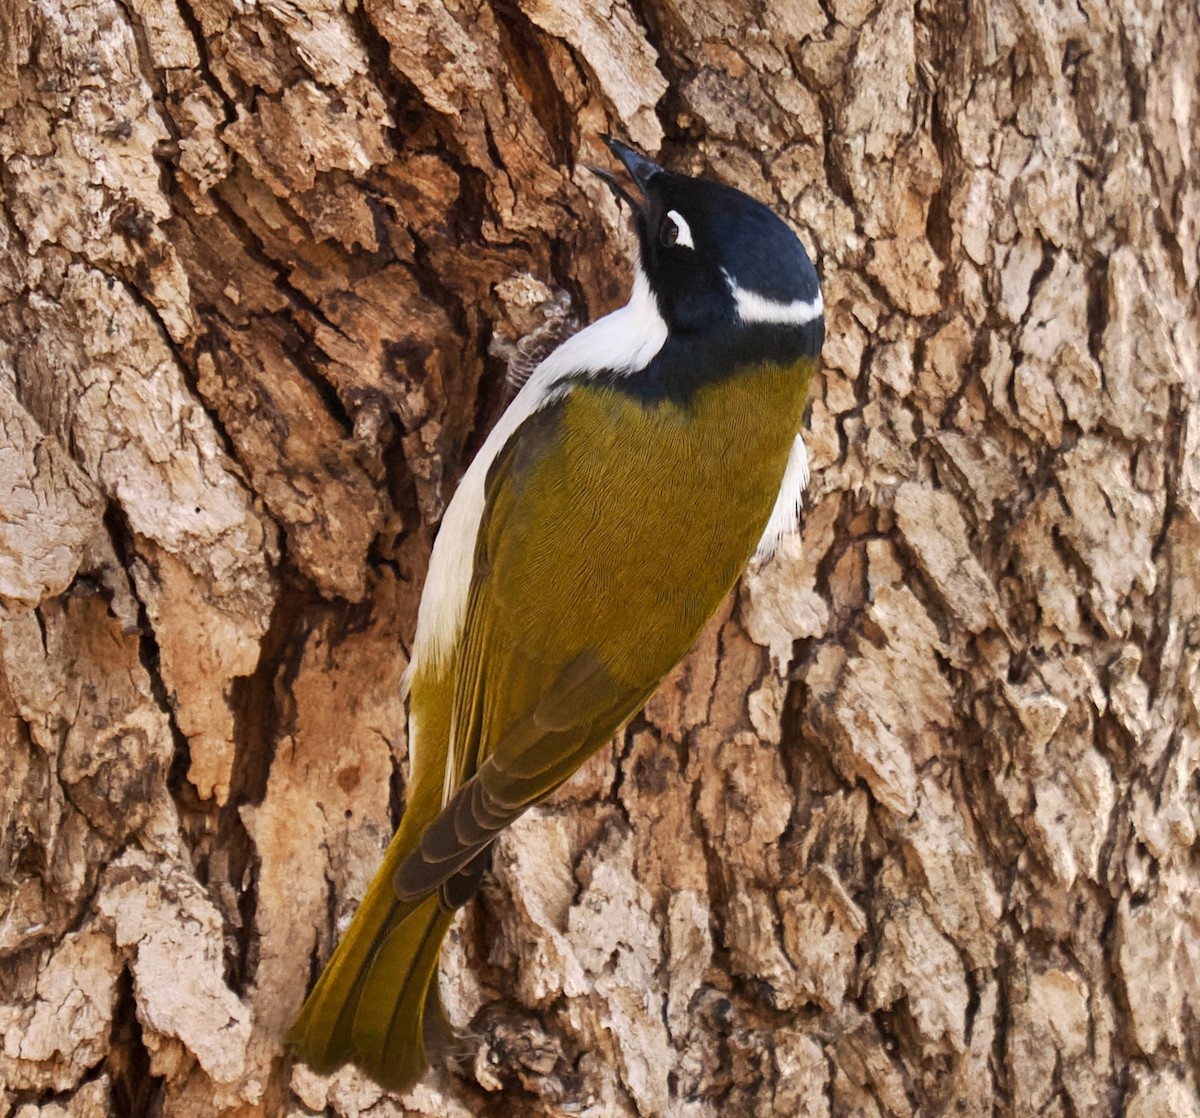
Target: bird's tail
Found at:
x=376, y=1003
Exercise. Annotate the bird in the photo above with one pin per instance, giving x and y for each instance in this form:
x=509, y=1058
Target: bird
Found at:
x=609, y=512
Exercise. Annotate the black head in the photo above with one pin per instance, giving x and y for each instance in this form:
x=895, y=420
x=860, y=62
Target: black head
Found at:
x=715, y=258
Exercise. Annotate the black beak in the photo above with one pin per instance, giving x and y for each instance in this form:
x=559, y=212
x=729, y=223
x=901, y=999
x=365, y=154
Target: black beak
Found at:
x=640, y=169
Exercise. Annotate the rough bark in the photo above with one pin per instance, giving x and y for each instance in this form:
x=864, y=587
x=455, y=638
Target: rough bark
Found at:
x=913, y=830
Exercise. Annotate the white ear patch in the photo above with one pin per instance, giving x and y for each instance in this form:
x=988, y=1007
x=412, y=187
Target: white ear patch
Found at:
x=752, y=307
x=683, y=233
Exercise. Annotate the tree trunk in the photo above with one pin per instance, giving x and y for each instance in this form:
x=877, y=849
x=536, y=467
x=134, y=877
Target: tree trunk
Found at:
x=914, y=828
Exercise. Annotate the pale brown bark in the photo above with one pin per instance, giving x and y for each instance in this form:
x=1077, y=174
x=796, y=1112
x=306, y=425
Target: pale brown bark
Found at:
x=913, y=830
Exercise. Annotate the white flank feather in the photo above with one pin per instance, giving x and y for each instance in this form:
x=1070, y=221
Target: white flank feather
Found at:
x=785, y=516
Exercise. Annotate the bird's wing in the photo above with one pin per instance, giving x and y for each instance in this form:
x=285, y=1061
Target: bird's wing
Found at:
x=533, y=696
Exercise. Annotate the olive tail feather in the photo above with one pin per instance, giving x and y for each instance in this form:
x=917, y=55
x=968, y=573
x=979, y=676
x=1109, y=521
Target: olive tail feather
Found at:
x=376, y=1003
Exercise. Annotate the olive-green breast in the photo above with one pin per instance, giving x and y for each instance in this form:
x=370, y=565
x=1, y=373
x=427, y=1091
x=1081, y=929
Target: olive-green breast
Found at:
x=626, y=533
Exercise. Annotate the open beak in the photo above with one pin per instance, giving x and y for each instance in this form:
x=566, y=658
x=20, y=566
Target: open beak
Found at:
x=640, y=169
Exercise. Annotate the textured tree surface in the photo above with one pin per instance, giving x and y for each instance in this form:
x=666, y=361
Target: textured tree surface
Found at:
x=913, y=830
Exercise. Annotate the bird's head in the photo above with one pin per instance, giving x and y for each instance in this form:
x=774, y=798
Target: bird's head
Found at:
x=715, y=258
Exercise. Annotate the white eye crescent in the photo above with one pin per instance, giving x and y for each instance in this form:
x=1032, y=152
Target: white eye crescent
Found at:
x=674, y=231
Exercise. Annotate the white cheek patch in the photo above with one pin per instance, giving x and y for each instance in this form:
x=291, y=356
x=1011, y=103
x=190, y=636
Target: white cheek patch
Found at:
x=684, y=235
x=752, y=307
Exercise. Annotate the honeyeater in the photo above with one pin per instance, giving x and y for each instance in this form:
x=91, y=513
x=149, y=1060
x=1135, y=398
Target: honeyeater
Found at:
x=607, y=515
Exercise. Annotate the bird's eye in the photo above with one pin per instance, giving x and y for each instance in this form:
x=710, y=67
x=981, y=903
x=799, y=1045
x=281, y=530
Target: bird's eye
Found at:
x=674, y=231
